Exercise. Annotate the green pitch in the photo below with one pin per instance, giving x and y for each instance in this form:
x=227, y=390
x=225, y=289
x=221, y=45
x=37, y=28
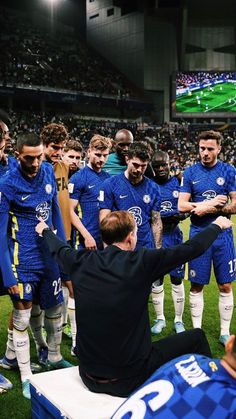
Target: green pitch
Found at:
x=218, y=98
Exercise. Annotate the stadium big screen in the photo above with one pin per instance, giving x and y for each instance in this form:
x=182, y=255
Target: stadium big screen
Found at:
x=202, y=94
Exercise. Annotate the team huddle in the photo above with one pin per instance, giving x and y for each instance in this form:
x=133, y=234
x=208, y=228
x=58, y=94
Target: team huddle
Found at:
x=45, y=183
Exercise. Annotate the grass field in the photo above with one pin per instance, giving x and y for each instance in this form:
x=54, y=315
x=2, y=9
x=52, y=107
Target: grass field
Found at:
x=217, y=98
x=13, y=404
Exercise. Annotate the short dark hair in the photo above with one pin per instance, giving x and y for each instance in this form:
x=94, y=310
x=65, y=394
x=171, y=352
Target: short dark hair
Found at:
x=139, y=150
x=210, y=135
x=116, y=226
x=29, y=139
x=73, y=144
x=54, y=133
x=160, y=155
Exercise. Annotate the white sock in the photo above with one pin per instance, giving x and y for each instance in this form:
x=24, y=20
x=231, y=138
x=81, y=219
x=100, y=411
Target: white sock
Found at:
x=53, y=326
x=36, y=325
x=10, y=349
x=178, y=297
x=21, y=341
x=158, y=301
x=65, y=305
x=196, y=303
x=226, y=306
x=71, y=312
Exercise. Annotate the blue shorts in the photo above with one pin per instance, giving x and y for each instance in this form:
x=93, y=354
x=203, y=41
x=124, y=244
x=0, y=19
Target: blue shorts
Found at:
x=221, y=253
x=172, y=238
x=39, y=288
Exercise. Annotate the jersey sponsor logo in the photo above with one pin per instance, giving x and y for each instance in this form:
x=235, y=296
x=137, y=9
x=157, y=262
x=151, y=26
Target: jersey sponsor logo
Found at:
x=146, y=199
x=195, y=181
x=175, y=194
x=166, y=206
x=137, y=214
x=43, y=211
x=123, y=196
x=48, y=188
x=220, y=181
x=71, y=187
x=91, y=186
x=209, y=194
x=23, y=198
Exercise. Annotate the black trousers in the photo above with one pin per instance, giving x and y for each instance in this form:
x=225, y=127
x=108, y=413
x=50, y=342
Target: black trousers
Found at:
x=164, y=350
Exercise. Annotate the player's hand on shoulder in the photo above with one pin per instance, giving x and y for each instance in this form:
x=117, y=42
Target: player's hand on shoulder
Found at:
x=223, y=222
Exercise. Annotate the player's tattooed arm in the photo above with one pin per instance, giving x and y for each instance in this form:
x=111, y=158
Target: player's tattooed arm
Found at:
x=156, y=225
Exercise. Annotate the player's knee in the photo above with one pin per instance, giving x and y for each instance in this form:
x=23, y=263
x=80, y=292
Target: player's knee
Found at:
x=227, y=288
x=54, y=312
x=176, y=281
x=36, y=310
x=196, y=288
x=21, y=319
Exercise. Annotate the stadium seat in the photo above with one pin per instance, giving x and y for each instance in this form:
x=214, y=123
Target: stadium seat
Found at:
x=61, y=393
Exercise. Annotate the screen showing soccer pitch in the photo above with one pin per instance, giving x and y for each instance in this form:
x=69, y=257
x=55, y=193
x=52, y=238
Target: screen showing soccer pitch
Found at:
x=204, y=94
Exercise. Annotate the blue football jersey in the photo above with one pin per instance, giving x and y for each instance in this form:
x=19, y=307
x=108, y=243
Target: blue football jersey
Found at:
x=205, y=183
x=84, y=186
x=169, y=197
x=188, y=387
x=26, y=200
x=140, y=200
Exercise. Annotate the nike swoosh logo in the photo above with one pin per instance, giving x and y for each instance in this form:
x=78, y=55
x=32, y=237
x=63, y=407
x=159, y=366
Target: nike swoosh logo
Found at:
x=91, y=186
x=196, y=181
x=23, y=198
x=123, y=196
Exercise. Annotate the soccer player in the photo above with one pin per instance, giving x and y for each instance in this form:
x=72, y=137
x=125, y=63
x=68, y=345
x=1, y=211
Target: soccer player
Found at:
x=5, y=384
x=116, y=162
x=72, y=155
x=112, y=287
x=84, y=187
x=28, y=192
x=133, y=192
x=191, y=386
x=172, y=235
x=209, y=189
x=55, y=137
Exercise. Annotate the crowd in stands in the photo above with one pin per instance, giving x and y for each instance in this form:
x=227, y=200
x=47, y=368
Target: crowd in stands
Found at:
x=178, y=139
x=33, y=56
x=186, y=79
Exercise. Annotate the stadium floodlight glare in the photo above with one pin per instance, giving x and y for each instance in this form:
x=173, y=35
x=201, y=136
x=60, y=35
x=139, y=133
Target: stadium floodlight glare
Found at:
x=52, y=2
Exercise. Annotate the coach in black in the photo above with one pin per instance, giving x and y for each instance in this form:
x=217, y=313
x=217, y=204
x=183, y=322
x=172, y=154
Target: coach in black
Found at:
x=112, y=288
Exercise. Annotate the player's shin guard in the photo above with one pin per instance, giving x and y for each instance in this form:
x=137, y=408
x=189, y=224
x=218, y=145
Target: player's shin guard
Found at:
x=158, y=301
x=178, y=297
x=71, y=312
x=21, y=320
x=53, y=326
x=226, y=305
x=10, y=349
x=36, y=325
x=65, y=305
x=196, y=303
